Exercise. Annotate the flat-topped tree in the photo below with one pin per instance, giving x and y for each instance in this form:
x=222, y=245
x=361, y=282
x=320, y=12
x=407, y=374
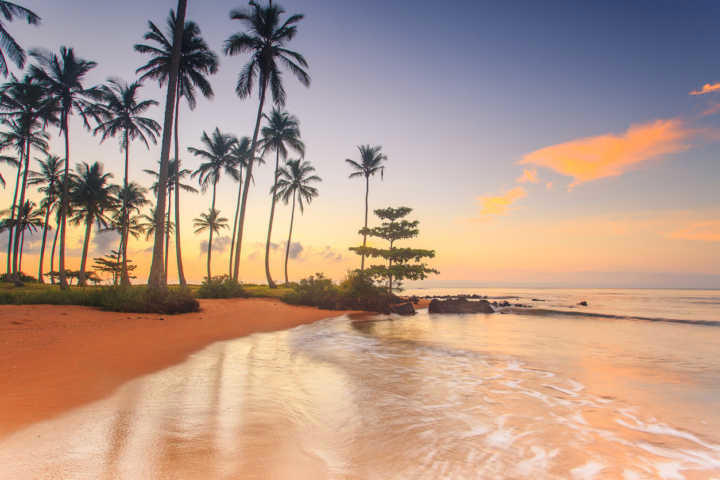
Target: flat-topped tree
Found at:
x=401, y=263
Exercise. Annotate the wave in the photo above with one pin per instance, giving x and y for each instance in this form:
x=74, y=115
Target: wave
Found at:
x=550, y=312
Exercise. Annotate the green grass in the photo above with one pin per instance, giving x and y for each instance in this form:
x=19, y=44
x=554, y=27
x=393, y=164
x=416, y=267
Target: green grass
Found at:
x=263, y=291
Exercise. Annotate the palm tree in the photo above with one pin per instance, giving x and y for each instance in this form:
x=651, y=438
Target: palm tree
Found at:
x=265, y=40
x=282, y=131
x=212, y=222
x=94, y=197
x=125, y=220
x=48, y=180
x=122, y=114
x=149, y=225
x=58, y=221
x=197, y=61
x=294, y=182
x=371, y=162
x=30, y=219
x=8, y=45
x=63, y=76
x=241, y=156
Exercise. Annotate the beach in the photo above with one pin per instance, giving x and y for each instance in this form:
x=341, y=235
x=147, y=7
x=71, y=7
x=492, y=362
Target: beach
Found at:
x=58, y=357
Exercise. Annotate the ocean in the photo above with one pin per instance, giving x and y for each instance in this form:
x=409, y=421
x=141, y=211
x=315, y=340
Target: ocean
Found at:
x=627, y=387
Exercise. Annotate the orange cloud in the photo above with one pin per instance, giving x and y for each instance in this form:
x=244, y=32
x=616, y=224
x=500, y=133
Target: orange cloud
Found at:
x=708, y=231
x=528, y=176
x=499, y=204
x=707, y=88
x=611, y=155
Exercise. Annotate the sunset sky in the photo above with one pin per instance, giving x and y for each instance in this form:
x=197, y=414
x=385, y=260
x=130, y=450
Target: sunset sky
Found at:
x=539, y=143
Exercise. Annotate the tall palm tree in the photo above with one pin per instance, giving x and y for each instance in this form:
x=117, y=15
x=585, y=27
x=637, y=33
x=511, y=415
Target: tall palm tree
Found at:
x=371, y=162
x=197, y=62
x=122, y=113
x=295, y=182
x=281, y=132
x=132, y=199
x=8, y=45
x=241, y=157
x=63, y=76
x=219, y=157
x=213, y=223
x=29, y=219
x=48, y=180
x=94, y=197
x=58, y=222
x=265, y=40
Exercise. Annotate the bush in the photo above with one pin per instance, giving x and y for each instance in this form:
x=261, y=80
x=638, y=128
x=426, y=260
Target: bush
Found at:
x=356, y=292
x=6, y=277
x=221, y=287
x=359, y=292
x=315, y=291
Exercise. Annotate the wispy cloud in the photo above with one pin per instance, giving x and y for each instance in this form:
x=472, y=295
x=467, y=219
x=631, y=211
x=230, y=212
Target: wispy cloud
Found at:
x=500, y=204
x=529, y=175
x=591, y=158
x=708, y=231
x=707, y=88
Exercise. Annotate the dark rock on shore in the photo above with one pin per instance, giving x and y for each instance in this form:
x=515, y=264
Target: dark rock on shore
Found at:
x=460, y=305
x=583, y=303
x=405, y=308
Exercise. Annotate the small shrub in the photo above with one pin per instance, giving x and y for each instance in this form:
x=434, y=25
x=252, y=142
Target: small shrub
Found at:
x=221, y=287
x=8, y=277
x=316, y=291
x=356, y=292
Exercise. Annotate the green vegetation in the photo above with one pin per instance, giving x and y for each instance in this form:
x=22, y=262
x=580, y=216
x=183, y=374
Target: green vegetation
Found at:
x=221, y=287
x=356, y=292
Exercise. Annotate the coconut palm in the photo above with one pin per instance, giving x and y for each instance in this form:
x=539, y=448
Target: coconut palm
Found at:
x=29, y=219
x=213, y=223
x=294, y=181
x=63, y=76
x=197, y=62
x=281, y=132
x=265, y=40
x=48, y=180
x=371, y=162
x=124, y=221
x=121, y=113
x=93, y=197
x=241, y=156
x=149, y=224
x=8, y=45
x=58, y=221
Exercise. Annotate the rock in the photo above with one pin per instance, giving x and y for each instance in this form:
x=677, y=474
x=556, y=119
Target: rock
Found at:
x=460, y=305
x=414, y=300
x=583, y=303
x=404, y=308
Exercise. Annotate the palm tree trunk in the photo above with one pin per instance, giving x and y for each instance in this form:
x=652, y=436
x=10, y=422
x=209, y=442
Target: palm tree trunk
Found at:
x=12, y=215
x=42, y=244
x=248, y=177
x=52, y=253
x=271, y=284
x=64, y=202
x=178, y=251
x=167, y=233
x=20, y=227
x=22, y=244
x=235, y=221
x=125, y=277
x=367, y=192
x=86, y=243
x=287, y=247
x=156, y=279
x=209, y=256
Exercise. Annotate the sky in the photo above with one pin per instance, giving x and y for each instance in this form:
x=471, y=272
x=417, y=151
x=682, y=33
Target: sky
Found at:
x=556, y=143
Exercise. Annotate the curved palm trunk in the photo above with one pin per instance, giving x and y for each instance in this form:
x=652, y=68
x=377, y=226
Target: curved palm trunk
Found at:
x=248, y=177
x=64, y=207
x=235, y=222
x=124, y=229
x=52, y=253
x=12, y=216
x=271, y=284
x=42, y=244
x=167, y=233
x=209, y=257
x=156, y=279
x=367, y=192
x=20, y=227
x=287, y=247
x=178, y=251
x=86, y=243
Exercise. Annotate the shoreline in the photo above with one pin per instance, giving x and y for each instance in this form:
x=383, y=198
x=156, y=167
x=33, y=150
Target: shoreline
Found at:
x=57, y=357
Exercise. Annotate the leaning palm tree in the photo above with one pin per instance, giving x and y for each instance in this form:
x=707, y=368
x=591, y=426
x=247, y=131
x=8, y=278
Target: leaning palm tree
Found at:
x=48, y=180
x=213, y=223
x=371, y=162
x=294, y=182
x=281, y=132
x=122, y=113
x=197, y=62
x=219, y=158
x=94, y=197
x=63, y=76
x=265, y=40
x=8, y=45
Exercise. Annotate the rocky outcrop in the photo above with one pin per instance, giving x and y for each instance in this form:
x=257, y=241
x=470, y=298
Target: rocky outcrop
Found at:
x=583, y=304
x=460, y=305
x=405, y=308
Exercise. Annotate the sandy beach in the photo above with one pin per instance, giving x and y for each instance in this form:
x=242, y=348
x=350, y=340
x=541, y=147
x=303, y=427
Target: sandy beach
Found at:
x=58, y=357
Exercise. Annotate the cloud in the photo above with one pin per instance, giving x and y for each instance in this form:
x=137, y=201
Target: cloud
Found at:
x=295, y=250
x=610, y=155
x=707, y=88
x=499, y=204
x=104, y=241
x=529, y=175
x=220, y=244
x=708, y=231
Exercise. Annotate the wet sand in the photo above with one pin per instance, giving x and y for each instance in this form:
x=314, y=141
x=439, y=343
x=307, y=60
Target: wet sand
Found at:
x=55, y=358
